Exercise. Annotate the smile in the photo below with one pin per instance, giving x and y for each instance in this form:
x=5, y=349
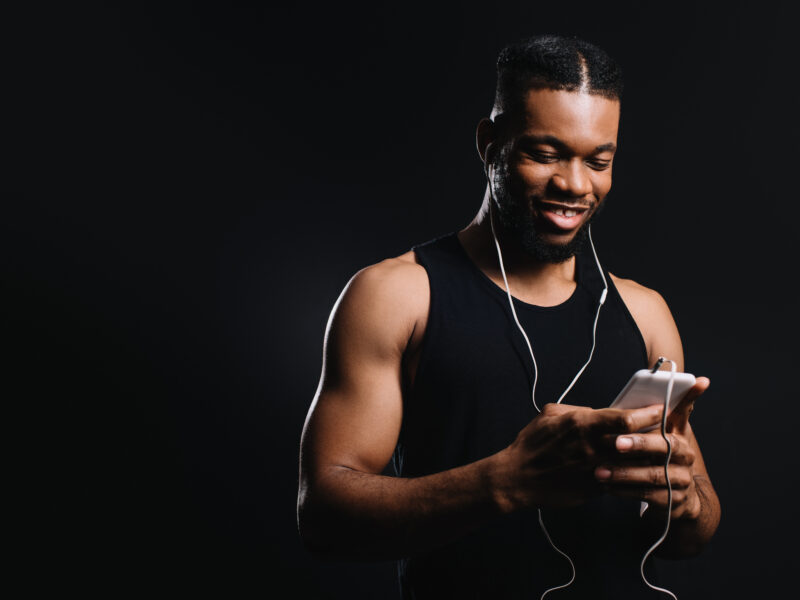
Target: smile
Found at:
x=565, y=213
x=563, y=217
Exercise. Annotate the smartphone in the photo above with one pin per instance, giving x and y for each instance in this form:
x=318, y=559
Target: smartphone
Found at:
x=646, y=388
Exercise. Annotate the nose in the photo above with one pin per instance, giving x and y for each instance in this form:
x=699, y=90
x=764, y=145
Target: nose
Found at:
x=573, y=180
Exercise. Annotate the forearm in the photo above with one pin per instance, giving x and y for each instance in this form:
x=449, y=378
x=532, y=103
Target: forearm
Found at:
x=351, y=514
x=688, y=537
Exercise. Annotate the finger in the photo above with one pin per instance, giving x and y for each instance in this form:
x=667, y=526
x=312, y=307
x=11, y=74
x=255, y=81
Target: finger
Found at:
x=644, y=476
x=657, y=498
x=679, y=418
x=611, y=420
x=697, y=390
x=552, y=409
x=654, y=447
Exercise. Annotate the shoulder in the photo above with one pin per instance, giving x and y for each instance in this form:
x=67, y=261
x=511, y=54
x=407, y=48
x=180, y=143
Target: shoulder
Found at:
x=385, y=300
x=398, y=283
x=653, y=318
x=640, y=300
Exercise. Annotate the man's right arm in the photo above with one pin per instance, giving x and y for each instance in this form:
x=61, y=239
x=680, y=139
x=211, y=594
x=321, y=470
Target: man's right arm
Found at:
x=345, y=506
x=347, y=509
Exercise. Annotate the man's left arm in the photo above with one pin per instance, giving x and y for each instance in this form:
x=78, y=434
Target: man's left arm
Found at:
x=638, y=469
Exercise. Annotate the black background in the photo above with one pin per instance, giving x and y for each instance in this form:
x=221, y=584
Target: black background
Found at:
x=195, y=184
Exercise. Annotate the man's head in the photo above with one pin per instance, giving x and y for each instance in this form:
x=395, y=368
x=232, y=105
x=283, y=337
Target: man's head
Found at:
x=551, y=140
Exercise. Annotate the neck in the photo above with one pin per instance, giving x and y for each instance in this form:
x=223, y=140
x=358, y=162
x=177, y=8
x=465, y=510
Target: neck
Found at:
x=530, y=279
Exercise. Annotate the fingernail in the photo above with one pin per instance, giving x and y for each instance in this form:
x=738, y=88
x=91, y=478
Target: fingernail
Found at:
x=624, y=443
x=602, y=473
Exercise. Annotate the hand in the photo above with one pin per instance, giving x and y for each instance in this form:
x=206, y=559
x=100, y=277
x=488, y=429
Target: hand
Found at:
x=637, y=470
x=552, y=460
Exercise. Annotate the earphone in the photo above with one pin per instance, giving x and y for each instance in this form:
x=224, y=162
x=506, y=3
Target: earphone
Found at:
x=572, y=383
x=514, y=312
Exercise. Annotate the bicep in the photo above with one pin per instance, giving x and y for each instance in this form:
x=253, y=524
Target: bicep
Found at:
x=666, y=342
x=663, y=332
x=660, y=332
x=354, y=420
x=354, y=423
x=654, y=320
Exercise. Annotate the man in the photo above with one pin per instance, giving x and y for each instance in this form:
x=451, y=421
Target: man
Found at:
x=424, y=361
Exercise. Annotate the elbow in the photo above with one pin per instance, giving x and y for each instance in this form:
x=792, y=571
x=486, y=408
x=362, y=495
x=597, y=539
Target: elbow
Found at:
x=311, y=527
x=310, y=535
x=330, y=525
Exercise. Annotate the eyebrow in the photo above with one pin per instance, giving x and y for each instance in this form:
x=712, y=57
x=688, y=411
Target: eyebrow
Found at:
x=559, y=144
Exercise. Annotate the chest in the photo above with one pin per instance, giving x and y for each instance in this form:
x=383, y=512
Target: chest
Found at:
x=471, y=376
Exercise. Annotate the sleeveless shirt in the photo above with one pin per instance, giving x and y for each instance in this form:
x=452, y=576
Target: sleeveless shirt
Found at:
x=470, y=398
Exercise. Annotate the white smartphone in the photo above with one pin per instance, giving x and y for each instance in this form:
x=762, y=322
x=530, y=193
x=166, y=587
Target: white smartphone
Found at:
x=646, y=388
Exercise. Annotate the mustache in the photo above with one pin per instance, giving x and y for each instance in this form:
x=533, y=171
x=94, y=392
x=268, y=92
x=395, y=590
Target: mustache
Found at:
x=565, y=203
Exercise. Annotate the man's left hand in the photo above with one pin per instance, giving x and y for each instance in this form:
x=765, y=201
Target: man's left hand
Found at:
x=638, y=470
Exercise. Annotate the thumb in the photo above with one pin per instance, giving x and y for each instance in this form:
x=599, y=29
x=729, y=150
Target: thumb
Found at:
x=679, y=418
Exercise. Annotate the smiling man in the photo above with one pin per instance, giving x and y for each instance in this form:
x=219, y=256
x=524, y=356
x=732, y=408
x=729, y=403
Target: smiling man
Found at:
x=483, y=364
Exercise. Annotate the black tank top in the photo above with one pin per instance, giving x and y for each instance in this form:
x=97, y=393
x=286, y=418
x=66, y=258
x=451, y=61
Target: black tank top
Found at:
x=470, y=398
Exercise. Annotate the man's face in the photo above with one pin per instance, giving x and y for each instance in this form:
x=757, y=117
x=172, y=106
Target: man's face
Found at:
x=553, y=169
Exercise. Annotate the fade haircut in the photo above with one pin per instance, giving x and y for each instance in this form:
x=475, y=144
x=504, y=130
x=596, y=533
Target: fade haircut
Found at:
x=555, y=63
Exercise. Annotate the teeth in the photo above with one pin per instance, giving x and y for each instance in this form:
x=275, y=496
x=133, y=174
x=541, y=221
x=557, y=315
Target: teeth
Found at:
x=565, y=213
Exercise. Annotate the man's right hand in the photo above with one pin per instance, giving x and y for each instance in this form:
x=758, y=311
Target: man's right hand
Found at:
x=551, y=463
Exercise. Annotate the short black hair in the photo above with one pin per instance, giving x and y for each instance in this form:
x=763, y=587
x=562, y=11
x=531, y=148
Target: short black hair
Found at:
x=557, y=63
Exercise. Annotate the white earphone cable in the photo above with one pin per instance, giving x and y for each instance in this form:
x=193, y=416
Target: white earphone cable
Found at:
x=666, y=475
x=514, y=312
x=535, y=366
x=574, y=380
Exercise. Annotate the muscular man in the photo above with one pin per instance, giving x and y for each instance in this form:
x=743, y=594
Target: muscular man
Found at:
x=424, y=363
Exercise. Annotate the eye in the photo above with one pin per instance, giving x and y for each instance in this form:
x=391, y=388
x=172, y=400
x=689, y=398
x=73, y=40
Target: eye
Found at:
x=598, y=165
x=543, y=157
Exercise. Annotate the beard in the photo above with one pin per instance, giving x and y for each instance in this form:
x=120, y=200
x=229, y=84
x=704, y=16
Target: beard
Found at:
x=514, y=215
x=520, y=226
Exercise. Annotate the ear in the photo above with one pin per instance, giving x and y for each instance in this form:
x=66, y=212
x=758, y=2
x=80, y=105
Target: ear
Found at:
x=484, y=140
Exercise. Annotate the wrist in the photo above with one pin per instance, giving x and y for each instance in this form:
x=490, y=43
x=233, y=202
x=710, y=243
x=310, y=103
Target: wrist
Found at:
x=690, y=510
x=700, y=496
x=498, y=477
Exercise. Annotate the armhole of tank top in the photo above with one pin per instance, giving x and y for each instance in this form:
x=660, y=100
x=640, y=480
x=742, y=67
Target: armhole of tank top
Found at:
x=431, y=325
x=629, y=317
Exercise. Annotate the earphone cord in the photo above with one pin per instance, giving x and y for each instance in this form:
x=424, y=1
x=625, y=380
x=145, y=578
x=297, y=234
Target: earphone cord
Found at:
x=536, y=370
x=564, y=393
x=666, y=475
x=516, y=319
x=514, y=312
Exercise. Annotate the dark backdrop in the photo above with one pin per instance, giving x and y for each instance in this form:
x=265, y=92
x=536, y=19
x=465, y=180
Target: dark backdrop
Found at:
x=194, y=185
